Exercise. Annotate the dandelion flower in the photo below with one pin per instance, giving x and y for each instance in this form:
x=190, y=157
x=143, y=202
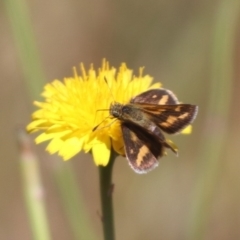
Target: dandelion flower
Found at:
x=75, y=106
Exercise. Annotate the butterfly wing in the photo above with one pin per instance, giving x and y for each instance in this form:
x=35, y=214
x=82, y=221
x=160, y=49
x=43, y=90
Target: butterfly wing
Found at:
x=163, y=108
x=159, y=96
x=142, y=149
x=171, y=118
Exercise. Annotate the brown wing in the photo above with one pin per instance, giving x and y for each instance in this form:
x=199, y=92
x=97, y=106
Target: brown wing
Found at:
x=162, y=107
x=142, y=149
x=159, y=96
x=170, y=118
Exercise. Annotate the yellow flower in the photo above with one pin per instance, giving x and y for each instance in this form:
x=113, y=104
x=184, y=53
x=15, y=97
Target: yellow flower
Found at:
x=73, y=108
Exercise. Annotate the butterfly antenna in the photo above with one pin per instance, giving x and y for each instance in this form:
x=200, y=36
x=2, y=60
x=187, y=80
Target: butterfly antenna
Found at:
x=96, y=127
x=110, y=90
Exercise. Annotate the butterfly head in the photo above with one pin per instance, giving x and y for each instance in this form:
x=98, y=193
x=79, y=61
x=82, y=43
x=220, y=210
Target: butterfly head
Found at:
x=116, y=110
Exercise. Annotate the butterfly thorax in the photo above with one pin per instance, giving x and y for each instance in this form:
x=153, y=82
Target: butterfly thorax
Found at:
x=126, y=112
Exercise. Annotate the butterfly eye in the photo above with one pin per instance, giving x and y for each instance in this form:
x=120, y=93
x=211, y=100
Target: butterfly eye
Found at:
x=116, y=110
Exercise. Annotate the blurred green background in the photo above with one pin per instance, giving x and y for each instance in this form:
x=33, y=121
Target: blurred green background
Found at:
x=193, y=48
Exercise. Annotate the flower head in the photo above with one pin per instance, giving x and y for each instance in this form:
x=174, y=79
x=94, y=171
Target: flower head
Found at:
x=75, y=114
x=74, y=107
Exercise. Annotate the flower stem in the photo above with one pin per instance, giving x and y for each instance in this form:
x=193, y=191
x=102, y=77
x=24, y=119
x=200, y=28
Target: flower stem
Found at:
x=213, y=147
x=33, y=189
x=106, y=187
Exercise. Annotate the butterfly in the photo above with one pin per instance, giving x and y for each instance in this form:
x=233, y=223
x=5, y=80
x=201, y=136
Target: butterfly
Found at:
x=144, y=119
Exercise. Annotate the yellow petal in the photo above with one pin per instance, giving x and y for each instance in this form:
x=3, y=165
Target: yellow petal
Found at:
x=187, y=130
x=70, y=148
x=173, y=146
x=101, y=151
x=46, y=136
x=34, y=126
x=118, y=146
x=55, y=145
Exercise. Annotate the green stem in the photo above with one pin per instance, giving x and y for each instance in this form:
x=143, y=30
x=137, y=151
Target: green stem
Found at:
x=25, y=41
x=214, y=145
x=73, y=202
x=33, y=189
x=106, y=187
